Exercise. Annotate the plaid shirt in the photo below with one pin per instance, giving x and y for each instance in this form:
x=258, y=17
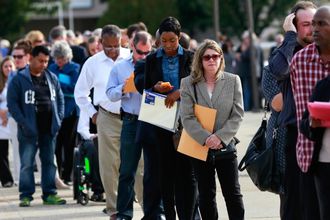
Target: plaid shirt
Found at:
x=307, y=68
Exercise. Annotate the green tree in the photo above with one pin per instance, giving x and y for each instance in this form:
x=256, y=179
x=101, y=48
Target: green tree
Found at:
x=13, y=14
x=126, y=12
x=195, y=14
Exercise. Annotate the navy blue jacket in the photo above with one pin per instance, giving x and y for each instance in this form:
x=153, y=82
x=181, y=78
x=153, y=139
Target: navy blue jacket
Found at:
x=68, y=77
x=279, y=66
x=21, y=102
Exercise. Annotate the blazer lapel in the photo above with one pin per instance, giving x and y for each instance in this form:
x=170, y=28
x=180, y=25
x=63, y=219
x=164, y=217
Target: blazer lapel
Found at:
x=218, y=88
x=201, y=89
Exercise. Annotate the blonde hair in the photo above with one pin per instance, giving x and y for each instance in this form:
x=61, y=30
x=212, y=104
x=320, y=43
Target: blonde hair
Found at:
x=34, y=36
x=197, y=72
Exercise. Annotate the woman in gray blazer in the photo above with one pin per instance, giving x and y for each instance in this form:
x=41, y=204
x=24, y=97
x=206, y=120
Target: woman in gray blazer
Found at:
x=222, y=91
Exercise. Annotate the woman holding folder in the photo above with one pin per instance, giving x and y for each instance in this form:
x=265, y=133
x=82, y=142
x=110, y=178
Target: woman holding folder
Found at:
x=209, y=86
x=164, y=70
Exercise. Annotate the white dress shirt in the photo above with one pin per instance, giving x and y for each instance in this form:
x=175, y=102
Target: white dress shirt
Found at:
x=83, y=126
x=95, y=74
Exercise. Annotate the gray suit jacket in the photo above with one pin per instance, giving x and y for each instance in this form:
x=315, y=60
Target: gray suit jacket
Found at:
x=226, y=99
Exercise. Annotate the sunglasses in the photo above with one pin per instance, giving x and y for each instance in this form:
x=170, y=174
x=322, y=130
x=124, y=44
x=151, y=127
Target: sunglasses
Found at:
x=18, y=56
x=140, y=52
x=213, y=57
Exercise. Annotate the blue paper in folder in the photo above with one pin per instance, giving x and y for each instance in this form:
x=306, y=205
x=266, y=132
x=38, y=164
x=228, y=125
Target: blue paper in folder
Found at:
x=65, y=79
x=150, y=99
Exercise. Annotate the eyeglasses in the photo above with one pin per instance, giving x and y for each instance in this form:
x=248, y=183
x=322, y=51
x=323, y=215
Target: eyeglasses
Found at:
x=18, y=56
x=213, y=57
x=140, y=52
x=112, y=48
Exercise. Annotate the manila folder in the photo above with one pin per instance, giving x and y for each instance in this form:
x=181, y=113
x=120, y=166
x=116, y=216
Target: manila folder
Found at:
x=130, y=86
x=188, y=145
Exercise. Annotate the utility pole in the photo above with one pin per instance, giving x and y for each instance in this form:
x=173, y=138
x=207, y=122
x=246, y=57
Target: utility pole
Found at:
x=253, y=56
x=216, y=18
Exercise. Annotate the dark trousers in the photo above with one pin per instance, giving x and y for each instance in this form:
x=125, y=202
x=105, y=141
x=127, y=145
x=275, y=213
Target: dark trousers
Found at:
x=91, y=148
x=65, y=143
x=290, y=207
x=228, y=177
x=5, y=174
x=322, y=184
x=130, y=154
x=177, y=179
x=310, y=208
x=152, y=200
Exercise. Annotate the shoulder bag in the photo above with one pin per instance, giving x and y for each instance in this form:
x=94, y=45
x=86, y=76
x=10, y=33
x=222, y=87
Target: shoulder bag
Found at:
x=259, y=161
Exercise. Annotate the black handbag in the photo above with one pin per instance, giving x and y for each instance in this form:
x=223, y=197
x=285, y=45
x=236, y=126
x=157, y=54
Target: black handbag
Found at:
x=259, y=161
x=226, y=152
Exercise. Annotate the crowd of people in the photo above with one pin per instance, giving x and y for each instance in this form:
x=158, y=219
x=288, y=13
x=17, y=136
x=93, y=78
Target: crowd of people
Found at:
x=75, y=89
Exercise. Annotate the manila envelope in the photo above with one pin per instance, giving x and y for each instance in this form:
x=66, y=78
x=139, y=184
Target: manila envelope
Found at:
x=129, y=85
x=188, y=145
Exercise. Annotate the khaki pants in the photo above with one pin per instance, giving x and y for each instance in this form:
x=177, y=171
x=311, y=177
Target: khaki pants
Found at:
x=108, y=129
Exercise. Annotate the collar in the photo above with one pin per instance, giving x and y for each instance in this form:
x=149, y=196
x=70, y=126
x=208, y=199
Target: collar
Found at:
x=104, y=57
x=315, y=54
x=161, y=52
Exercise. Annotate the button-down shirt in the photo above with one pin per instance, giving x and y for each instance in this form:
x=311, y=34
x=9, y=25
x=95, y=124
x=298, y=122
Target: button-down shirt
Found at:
x=83, y=126
x=170, y=67
x=95, y=74
x=130, y=102
x=307, y=68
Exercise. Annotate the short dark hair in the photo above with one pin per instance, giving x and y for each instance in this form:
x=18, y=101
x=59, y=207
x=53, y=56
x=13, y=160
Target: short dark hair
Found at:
x=111, y=30
x=170, y=24
x=40, y=49
x=140, y=26
x=142, y=36
x=184, y=40
x=24, y=45
x=301, y=5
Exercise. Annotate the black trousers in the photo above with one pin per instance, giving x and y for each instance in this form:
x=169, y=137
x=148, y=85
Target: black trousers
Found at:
x=91, y=148
x=290, y=207
x=322, y=184
x=177, y=179
x=65, y=143
x=227, y=172
x=5, y=174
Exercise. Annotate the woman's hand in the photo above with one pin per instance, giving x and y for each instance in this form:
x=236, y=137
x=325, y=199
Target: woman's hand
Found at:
x=163, y=87
x=213, y=142
x=171, y=98
x=277, y=102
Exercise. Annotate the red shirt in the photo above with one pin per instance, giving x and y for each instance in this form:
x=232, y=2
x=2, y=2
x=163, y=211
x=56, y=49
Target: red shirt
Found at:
x=306, y=69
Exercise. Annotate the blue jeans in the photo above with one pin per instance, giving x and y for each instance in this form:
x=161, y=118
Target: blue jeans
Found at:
x=28, y=147
x=130, y=154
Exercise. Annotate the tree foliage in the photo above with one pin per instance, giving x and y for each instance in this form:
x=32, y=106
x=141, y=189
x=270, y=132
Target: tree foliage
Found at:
x=13, y=14
x=196, y=15
x=126, y=12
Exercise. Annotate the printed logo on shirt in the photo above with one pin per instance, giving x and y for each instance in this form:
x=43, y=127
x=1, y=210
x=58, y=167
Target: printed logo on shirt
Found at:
x=29, y=97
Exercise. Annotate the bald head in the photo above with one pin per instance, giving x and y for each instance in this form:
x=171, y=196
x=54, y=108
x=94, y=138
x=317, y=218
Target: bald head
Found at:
x=321, y=28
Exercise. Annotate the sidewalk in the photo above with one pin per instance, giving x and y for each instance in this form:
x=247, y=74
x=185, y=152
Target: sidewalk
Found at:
x=258, y=205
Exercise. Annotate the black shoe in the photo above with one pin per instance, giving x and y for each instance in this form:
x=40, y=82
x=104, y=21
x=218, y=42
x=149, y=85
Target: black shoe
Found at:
x=67, y=182
x=8, y=184
x=97, y=197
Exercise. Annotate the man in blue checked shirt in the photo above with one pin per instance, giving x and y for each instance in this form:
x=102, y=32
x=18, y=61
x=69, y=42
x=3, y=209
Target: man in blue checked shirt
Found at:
x=130, y=152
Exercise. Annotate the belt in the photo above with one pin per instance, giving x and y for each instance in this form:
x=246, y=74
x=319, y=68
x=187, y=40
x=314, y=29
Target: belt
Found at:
x=129, y=116
x=110, y=113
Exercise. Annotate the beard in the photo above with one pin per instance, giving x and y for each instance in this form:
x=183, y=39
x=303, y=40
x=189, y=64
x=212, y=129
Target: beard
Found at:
x=308, y=39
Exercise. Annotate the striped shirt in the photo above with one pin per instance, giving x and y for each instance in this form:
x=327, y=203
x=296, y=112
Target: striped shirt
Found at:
x=307, y=68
